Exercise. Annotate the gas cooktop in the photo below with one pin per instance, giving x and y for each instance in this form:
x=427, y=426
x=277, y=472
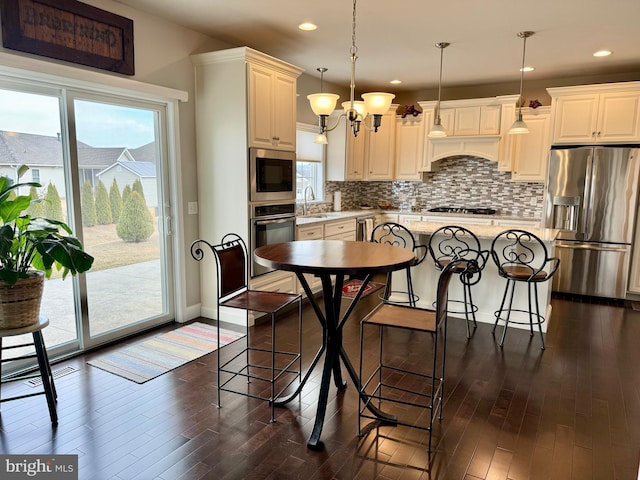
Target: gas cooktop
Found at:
x=474, y=211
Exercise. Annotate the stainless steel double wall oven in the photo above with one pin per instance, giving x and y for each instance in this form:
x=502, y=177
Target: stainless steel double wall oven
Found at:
x=272, y=199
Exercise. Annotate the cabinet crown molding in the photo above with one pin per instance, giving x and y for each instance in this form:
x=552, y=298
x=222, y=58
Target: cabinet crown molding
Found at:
x=595, y=88
x=471, y=102
x=248, y=54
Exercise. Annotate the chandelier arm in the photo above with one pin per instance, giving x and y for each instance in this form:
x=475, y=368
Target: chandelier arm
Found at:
x=335, y=125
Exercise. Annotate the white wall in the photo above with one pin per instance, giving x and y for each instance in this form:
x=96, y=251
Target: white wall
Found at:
x=161, y=51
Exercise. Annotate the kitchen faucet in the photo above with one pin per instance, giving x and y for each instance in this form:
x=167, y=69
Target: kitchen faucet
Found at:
x=313, y=197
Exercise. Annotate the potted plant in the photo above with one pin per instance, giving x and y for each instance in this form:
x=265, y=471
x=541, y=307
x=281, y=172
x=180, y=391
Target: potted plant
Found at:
x=30, y=248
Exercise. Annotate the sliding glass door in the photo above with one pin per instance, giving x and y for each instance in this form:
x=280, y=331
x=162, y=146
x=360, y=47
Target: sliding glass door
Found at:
x=119, y=159
x=102, y=164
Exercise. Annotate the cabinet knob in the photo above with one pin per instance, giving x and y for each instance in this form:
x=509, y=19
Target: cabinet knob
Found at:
x=593, y=134
x=598, y=134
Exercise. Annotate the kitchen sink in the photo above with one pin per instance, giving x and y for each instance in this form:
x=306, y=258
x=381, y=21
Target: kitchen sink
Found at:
x=322, y=215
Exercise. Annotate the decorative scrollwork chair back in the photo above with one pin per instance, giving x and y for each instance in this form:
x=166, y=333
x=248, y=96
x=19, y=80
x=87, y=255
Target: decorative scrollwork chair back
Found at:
x=392, y=233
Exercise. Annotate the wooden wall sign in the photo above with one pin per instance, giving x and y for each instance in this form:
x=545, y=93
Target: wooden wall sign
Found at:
x=69, y=30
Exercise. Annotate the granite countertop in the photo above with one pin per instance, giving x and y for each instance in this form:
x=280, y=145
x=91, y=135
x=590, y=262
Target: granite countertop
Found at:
x=332, y=216
x=547, y=235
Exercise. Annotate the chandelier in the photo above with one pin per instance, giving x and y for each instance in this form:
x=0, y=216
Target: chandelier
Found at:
x=375, y=104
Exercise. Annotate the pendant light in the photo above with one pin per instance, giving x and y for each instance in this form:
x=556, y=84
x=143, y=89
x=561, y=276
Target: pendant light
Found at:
x=519, y=127
x=321, y=103
x=437, y=130
x=375, y=104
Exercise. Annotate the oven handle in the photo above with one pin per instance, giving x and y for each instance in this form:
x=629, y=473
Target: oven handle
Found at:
x=272, y=222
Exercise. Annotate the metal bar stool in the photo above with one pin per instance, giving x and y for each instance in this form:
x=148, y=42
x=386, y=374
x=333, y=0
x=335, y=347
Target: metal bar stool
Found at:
x=410, y=392
x=44, y=368
x=400, y=236
x=277, y=368
x=450, y=243
x=521, y=257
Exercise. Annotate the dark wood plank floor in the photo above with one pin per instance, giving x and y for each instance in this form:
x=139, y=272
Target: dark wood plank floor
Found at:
x=570, y=412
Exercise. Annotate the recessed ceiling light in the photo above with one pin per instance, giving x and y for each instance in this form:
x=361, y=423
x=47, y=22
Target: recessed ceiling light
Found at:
x=307, y=26
x=602, y=53
x=395, y=82
x=527, y=69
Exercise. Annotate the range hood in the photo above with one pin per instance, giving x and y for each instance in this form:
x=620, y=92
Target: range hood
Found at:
x=476, y=127
x=479, y=146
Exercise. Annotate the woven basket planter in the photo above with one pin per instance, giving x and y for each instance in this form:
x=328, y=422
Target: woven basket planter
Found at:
x=20, y=303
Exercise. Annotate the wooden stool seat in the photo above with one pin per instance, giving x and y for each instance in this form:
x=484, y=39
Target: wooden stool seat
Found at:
x=49, y=390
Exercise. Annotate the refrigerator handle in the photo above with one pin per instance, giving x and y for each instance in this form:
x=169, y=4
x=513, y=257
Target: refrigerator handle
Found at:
x=586, y=201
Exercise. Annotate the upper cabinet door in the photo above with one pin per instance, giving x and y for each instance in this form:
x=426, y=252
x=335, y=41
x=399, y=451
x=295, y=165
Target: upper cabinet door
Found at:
x=608, y=113
x=619, y=117
x=382, y=148
x=261, y=107
x=531, y=152
x=576, y=118
x=272, y=109
x=285, y=112
x=409, y=147
x=467, y=121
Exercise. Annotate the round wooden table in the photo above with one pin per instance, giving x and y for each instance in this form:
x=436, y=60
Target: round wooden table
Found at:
x=325, y=258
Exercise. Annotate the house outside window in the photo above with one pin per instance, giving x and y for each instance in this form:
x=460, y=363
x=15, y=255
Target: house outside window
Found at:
x=35, y=175
x=309, y=162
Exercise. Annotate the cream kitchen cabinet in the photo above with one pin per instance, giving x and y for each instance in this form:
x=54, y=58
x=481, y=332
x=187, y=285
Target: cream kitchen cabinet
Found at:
x=369, y=156
x=475, y=127
x=277, y=281
x=471, y=120
x=272, y=108
x=592, y=114
x=340, y=230
x=531, y=151
x=334, y=230
x=409, y=147
x=229, y=86
x=314, y=231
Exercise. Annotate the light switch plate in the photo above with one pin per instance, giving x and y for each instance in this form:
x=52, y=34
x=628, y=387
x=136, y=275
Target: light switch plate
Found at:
x=192, y=208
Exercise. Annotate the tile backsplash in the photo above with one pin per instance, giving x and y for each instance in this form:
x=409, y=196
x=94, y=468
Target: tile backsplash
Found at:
x=461, y=181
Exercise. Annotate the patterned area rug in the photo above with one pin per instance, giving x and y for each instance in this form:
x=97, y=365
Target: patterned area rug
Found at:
x=151, y=358
x=350, y=289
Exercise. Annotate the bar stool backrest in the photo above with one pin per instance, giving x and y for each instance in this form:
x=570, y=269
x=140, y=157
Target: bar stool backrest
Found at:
x=400, y=236
x=231, y=263
x=453, y=242
x=521, y=254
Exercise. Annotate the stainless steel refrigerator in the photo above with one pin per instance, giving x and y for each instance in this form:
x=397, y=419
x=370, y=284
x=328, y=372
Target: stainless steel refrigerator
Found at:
x=592, y=195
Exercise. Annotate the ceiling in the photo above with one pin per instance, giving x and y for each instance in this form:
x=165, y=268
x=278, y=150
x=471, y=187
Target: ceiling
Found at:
x=399, y=42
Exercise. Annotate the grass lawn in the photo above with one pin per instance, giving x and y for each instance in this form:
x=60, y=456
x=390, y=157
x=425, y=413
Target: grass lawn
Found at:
x=110, y=251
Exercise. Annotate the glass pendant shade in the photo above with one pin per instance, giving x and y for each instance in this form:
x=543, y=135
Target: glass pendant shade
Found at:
x=437, y=130
x=358, y=106
x=518, y=127
x=323, y=103
x=377, y=103
x=321, y=139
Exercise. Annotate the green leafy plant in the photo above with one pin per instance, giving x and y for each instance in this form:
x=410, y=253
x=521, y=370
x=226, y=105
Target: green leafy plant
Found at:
x=29, y=243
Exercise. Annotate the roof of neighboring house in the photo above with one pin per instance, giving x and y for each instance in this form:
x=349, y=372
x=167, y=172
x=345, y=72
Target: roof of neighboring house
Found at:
x=100, y=157
x=141, y=169
x=45, y=151
x=145, y=153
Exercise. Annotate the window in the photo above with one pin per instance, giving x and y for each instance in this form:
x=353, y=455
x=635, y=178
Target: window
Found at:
x=35, y=174
x=310, y=162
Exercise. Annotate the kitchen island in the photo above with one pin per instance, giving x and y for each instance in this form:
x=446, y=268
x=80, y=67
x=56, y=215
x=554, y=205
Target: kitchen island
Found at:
x=487, y=294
